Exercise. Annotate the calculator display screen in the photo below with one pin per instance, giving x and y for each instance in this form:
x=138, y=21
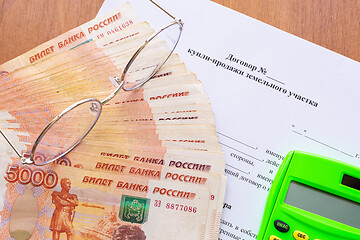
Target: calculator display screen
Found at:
x=324, y=204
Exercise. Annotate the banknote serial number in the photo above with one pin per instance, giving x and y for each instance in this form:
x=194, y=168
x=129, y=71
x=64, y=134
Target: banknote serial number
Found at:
x=176, y=207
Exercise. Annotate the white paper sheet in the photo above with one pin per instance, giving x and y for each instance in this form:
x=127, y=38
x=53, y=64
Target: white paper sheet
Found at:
x=291, y=95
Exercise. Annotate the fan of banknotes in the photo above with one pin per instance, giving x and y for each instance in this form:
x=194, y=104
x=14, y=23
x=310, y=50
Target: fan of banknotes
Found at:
x=150, y=168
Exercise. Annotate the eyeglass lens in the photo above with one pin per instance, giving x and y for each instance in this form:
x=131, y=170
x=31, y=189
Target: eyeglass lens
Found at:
x=67, y=132
x=151, y=57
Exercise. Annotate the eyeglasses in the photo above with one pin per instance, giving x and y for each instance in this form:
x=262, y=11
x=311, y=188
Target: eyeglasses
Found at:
x=59, y=137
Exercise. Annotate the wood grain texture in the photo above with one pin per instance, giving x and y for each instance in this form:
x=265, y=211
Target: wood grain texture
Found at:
x=25, y=24
x=333, y=24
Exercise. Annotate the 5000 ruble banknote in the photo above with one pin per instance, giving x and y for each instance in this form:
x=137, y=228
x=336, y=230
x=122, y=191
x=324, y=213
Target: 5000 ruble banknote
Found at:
x=83, y=204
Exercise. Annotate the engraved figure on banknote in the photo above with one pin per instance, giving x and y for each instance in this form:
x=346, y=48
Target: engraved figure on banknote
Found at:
x=63, y=216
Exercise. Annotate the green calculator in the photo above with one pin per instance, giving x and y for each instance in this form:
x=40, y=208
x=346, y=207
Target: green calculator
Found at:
x=313, y=198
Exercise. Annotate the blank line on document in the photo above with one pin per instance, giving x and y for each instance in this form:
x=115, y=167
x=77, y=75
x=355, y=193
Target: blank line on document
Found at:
x=275, y=80
x=260, y=160
x=347, y=154
x=255, y=148
x=326, y=145
x=297, y=132
x=237, y=169
x=322, y=143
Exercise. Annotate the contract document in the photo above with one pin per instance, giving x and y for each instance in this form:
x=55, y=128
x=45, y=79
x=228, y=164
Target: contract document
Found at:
x=271, y=92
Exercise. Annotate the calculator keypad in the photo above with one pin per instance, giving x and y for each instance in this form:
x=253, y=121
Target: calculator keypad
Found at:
x=283, y=227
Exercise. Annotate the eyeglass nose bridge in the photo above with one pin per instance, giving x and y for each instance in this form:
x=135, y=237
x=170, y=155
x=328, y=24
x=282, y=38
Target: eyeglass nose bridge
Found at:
x=121, y=84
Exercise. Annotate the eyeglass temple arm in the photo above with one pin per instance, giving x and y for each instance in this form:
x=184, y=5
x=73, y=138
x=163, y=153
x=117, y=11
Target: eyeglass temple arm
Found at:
x=17, y=152
x=163, y=9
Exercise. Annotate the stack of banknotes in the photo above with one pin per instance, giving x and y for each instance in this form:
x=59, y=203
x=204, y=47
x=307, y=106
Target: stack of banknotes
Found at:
x=151, y=168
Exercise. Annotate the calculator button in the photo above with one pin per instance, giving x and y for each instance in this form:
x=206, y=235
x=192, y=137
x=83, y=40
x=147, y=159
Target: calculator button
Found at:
x=281, y=226
x=300, y=235
x=272, y=237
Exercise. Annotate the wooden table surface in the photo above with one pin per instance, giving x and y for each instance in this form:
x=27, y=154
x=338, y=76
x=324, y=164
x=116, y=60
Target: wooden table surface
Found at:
x=333, y=24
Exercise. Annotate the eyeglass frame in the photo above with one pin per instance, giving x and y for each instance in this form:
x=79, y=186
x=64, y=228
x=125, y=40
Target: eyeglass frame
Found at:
x=28, y=159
